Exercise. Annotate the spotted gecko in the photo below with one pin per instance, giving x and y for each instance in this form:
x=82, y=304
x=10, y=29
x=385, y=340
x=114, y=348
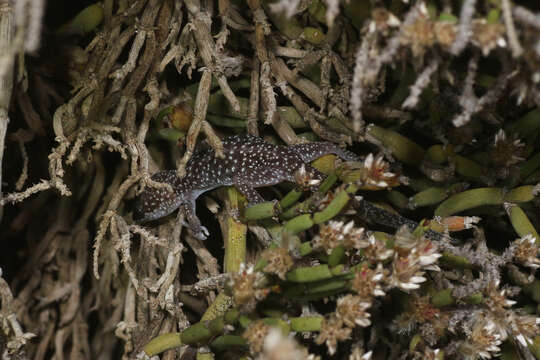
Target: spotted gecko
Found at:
x=249, y=163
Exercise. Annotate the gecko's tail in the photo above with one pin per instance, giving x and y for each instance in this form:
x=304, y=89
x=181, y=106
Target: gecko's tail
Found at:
x=314, y=150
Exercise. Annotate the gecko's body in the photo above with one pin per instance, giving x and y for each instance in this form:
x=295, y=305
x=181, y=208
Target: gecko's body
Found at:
x=249, y=163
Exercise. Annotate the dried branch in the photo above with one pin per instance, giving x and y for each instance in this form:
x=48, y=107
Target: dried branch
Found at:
x=526, y=16
x=358, y=83
x=201, y=30
x=253, y=114
x=6, y=75
x=199, y=114
x=513, y=40
x=464, y=30
x=206, y=285
x=422, y=81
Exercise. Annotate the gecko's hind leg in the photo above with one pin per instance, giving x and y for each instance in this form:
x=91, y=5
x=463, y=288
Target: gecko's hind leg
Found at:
x=314, y=150
x=252, y=195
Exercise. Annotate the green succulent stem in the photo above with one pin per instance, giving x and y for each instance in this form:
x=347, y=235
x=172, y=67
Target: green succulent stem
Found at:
x=520, y=194
x=306, y=323
x=470, y=199
x=199, y=333
x=309, y=274
x=205, y=356
x=84, y=22
x=230, y=122
x=305, y=206
x=336, y=205
x=520, y=221
x=290, y=27
x=535, y=347
x=163, y=343
x=397, y=199
x=529, y=166
x=463, y=166
x=278, y=323
x=445, y=298
x=533, y=290
x=220, y=305
x=455, y=261
x=289, y=114
x=305, y=248
x=299, y=224
x=304, y=222
x=336, y=256
x=427, y=197
x=314, y=35
x=235, y=234
x=402, y=148
x=263, y=210
x=226, y=342
x=290, y=198
x=317, y=290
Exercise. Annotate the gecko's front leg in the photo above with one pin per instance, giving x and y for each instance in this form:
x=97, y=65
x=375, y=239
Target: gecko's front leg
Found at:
x=193, y=223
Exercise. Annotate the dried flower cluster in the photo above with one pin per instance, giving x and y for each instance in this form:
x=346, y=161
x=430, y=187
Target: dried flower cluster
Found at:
x=279, y=261
x=279, y=347
x=333, y=331
x=337, y=233
x=506, y=151
x=377, y=174
x=527, y=251
x=377, y=268
x=424, y=32
x=246, y=288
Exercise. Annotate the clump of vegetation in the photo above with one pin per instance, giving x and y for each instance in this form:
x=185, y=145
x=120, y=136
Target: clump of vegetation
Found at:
x=427, y=248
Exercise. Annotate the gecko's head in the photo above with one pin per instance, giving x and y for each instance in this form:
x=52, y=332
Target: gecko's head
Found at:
x=156, y=202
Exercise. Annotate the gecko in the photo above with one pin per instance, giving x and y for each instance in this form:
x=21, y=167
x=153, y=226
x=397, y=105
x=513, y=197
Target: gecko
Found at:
x=249, y=162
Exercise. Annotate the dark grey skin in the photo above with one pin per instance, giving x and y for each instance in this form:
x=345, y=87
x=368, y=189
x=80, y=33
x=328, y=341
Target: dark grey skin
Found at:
x=249, y=163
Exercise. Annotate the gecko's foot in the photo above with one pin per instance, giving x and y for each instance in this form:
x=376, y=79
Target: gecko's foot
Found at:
x=201, y=233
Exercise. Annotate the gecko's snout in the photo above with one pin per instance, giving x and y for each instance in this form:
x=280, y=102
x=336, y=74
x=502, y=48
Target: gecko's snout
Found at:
x=140, y=215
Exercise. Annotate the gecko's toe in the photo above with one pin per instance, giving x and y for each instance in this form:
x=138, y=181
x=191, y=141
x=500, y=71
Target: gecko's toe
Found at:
x=201, y=234
x=205, y=231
